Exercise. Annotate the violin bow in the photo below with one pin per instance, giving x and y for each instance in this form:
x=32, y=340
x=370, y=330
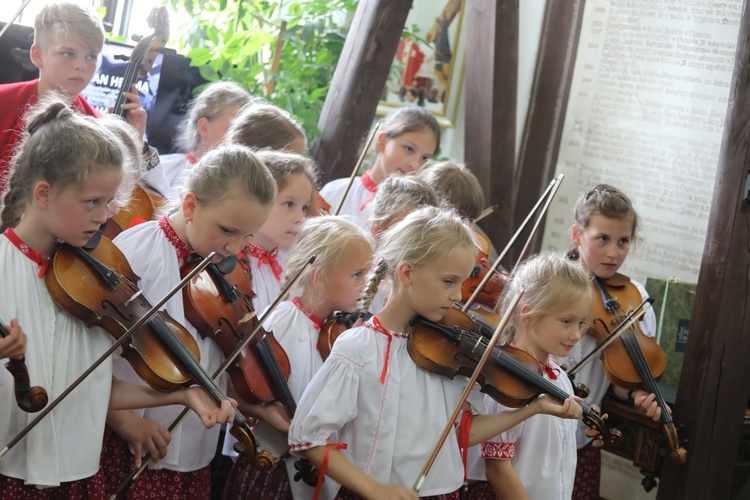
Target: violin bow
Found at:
x=487, y=211
x=635, y=315
x=125, y=337
x=356, y=168
x=547, y=196
x=224, y=366
x=489, y=348
x=15, y=16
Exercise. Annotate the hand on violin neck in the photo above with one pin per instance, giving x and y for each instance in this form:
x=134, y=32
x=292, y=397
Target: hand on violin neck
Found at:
x=14, y=345
x=568, y=409
x=136, y=116
x=274, y=414
x=141, y=434
x=205, y=407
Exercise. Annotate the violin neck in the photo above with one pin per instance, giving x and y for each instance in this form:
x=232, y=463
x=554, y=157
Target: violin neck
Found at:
x=3, y=331
x=275, y=373
x=131, y=76
x=641, y=365
x=533, y=378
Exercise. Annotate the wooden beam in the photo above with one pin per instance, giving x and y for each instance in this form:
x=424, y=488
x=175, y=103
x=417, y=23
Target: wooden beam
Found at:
x=490, y=93
x=540, y=145
x=358, y=83
x=714, y=382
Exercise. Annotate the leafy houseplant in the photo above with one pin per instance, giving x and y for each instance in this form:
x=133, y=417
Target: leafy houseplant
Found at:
x=240, y=39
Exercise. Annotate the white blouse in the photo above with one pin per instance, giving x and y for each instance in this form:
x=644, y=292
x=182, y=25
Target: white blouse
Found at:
x=169, y=175
x=542, y=449
x=391, y=427
x=358, y=203
x=592, y=374
x=154, y=259
x=66, y=444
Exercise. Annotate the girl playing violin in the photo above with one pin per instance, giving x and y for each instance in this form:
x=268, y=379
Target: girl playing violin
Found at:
x=536, y=459
x=371, y=416
x=399, y=195
x=227, y=197
x=409, y=137
x=207, y=121
x=605, y=225
x=63, y=179
x=334, y=283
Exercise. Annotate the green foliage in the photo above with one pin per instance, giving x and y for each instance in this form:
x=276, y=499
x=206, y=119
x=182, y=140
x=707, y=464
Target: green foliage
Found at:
x=237, y=39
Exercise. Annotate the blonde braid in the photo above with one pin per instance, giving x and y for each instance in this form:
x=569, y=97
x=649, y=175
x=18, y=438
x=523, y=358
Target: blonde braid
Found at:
x=373, y=282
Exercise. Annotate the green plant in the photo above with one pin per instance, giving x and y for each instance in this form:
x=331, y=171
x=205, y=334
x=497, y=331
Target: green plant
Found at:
x=237, y=40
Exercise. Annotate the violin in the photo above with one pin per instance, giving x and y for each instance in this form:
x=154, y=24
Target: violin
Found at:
x=218, y=302
x=492, y=291
x=636, y=361
x=97, y=285
x=143, y=205
x=29, y=399
x=454, y=345
x=335, y=326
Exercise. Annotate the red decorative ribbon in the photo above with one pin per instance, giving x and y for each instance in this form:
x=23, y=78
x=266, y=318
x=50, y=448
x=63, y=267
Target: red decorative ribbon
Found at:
x=27, y=251
x=266, y=257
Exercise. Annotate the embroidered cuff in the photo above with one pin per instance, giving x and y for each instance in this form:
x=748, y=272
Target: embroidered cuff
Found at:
x=498, y=450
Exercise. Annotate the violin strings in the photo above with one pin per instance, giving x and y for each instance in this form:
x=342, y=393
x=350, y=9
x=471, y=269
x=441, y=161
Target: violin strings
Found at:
x=641, y=364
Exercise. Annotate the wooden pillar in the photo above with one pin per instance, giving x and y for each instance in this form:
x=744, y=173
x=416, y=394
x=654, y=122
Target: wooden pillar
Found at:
x=358, y=83
x=714, y=383
x=490, y=92
x=540, y=145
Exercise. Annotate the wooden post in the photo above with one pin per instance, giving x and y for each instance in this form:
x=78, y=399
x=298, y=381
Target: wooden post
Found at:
x=358, y=83
x=490, y=93
x=540, y=145
x=714, y=383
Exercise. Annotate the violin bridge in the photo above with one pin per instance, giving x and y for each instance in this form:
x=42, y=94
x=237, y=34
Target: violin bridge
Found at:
x=247, y=317
x=131, y=299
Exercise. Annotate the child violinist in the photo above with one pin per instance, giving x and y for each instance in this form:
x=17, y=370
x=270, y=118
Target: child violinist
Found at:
x=205, y=126
x=227, y=197
x=536, y=459
x=334, y=283
x=408, y=138
x=399, y=195
x=371, y=416
x=64, y=177
x=605, y=225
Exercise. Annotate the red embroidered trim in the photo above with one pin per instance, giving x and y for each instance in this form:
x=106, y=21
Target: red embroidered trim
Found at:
x=191, y=158
x=266, y=257
x=498, y=450
x=180, y=246
x=316, y=321
x=370, y=185
x=301, y=446
x=27, y=251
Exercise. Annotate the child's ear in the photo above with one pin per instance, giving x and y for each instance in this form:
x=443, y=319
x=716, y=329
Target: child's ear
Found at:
x=526, y=320
x=42, y=194
x=380, y=142
x=36, y=56
x=575, y=234
x=202, y=127
x=403, y=272
x=189, y=203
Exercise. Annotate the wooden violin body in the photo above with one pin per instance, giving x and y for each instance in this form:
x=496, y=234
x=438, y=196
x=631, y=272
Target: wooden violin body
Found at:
x=623, y=296
x=512, y=377
x=143, y=207
x=634, y=361
x=98, y=286
x=218, y=302
x=493, y=290
x=335, y=326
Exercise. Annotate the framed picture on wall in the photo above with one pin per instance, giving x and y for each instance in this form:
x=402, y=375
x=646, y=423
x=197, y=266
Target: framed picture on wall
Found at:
x=428, y=68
